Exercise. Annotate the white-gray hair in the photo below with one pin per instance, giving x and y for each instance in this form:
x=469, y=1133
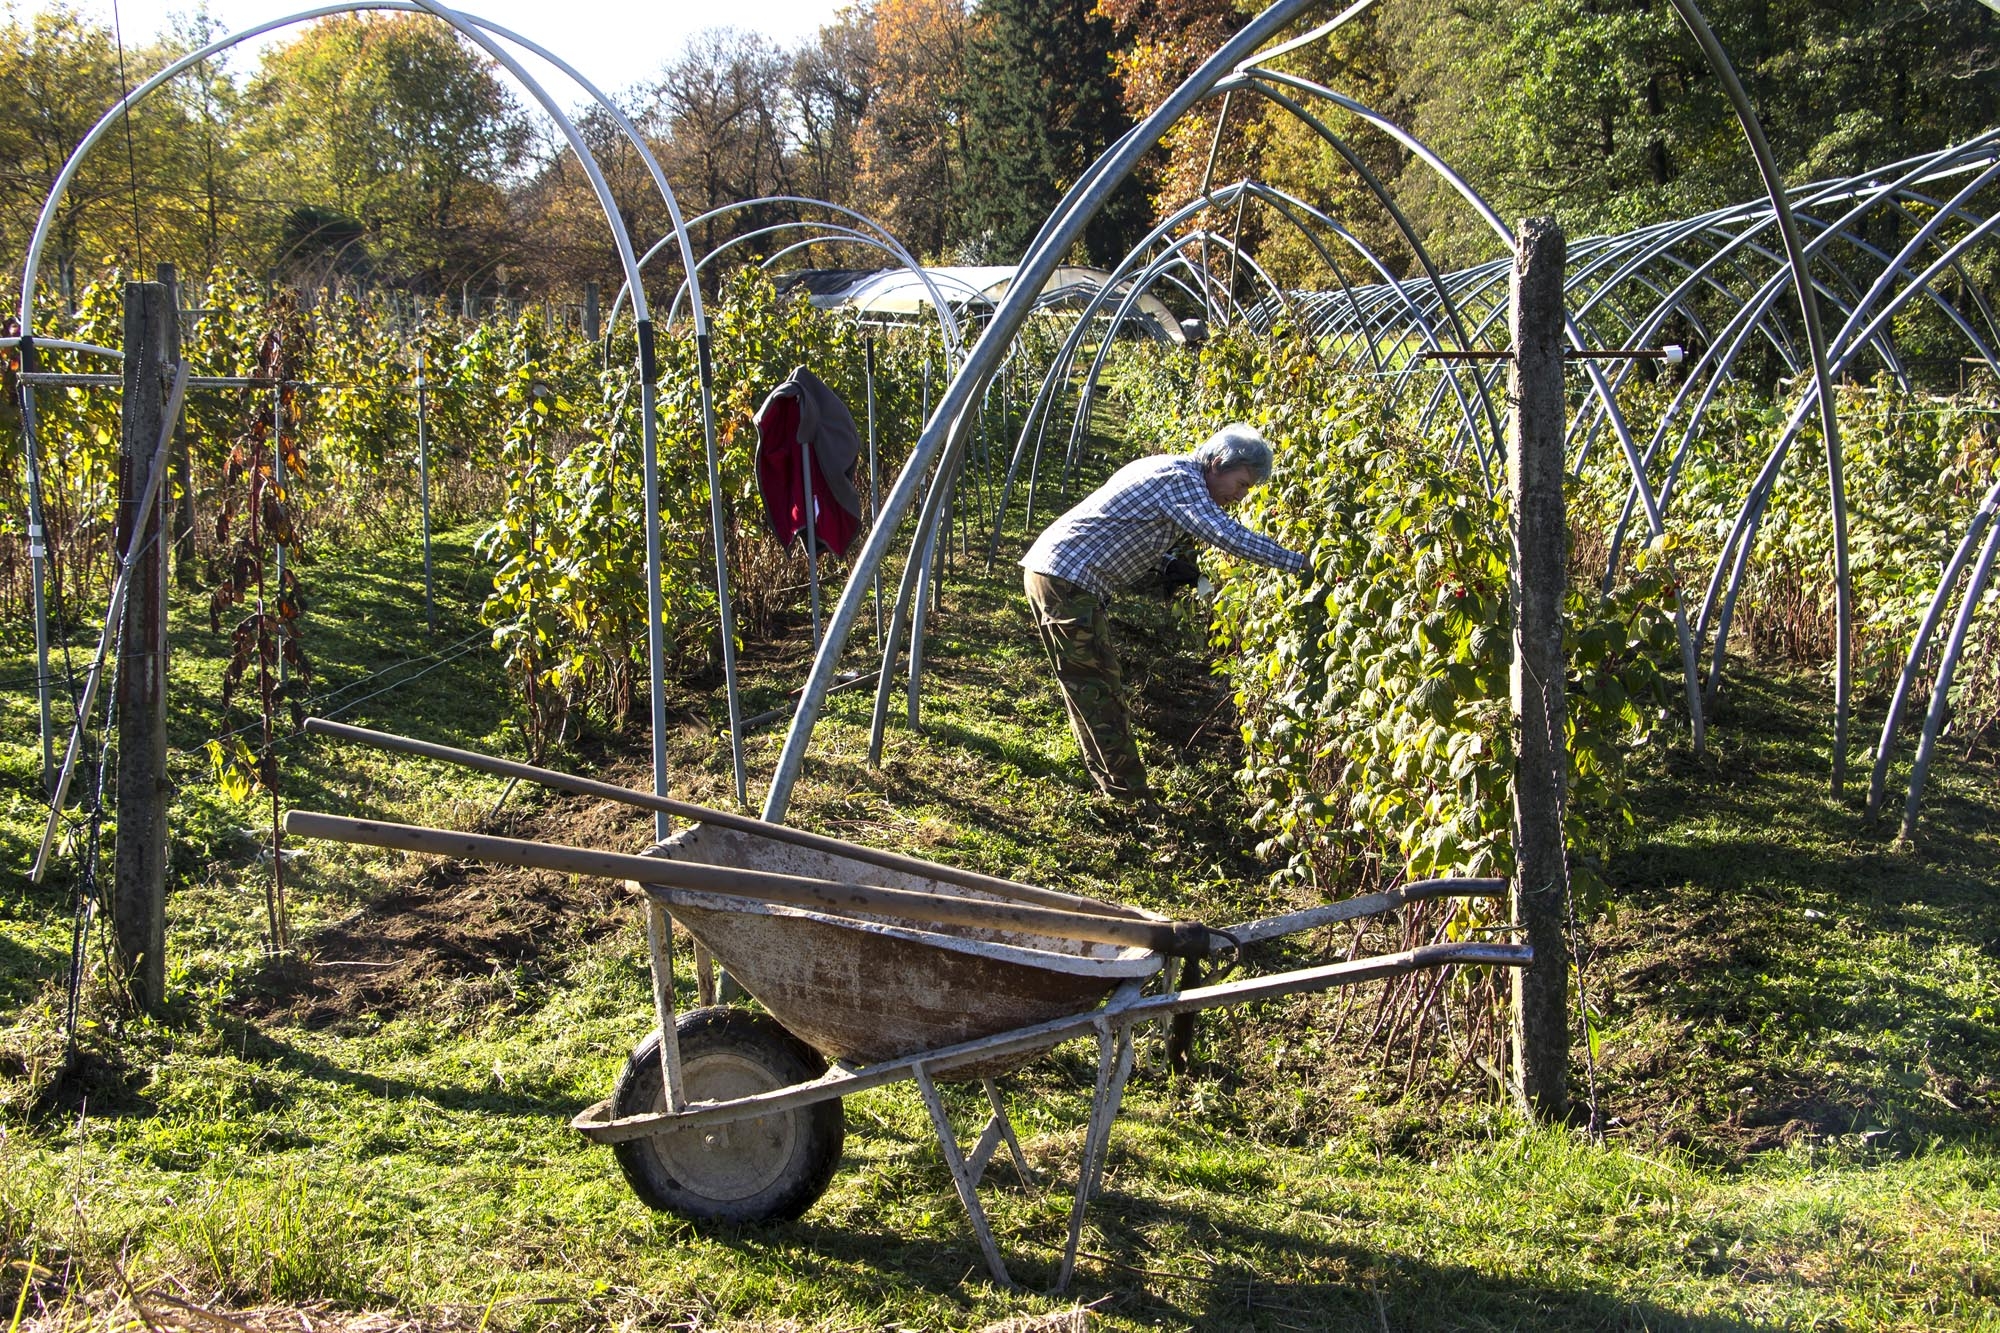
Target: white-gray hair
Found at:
x=1236, y=445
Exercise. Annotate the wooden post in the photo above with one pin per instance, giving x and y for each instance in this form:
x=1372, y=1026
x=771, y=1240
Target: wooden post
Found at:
x=183, y=461
x=592, y=320
x=139, y=880
x=1535, y=492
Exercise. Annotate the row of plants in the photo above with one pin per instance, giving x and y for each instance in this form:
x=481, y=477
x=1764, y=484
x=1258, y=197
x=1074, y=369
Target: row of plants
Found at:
x=351, y=405
x=1373, y=692
x=569, y=598
x=529, y=422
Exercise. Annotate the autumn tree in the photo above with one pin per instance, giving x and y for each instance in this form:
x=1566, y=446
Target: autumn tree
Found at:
x=717, y=121
x=563, y=240
x=1161, y=43
x=911, y=140
x=162, y=187
x=213, y=214
x=1357, y=60
x=396, y=141
x=833, y=80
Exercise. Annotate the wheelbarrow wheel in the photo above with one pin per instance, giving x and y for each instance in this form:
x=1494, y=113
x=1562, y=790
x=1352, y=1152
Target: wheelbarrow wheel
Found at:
x=769, y=1169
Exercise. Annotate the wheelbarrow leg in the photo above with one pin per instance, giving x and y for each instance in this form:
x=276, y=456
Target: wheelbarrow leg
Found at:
x=1013, y=1143
x=962, y=1177
x=712, y=985
x=704, y=975
x=660, y=944
x=999, y=1129
x=1114, y=1067
x=1180, y=1030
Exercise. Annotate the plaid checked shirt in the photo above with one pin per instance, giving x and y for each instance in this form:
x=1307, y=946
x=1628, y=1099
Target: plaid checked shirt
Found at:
x=1126, y=527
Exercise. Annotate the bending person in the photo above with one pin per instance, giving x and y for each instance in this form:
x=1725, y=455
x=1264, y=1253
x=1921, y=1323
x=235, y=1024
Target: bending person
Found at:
x=1122, y=532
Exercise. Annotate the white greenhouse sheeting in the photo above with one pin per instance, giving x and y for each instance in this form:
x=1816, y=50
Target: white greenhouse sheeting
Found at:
x=897, y=291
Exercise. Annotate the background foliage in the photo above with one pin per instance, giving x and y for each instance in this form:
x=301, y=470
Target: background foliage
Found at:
x=382, y=150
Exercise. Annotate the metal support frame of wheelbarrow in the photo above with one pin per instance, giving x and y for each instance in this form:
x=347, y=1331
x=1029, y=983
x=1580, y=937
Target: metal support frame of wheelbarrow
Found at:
x=1112, y=1023
x=1084, y=963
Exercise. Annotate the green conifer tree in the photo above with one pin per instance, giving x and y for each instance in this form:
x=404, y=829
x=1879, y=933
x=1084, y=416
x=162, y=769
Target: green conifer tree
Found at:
x=1042, y=103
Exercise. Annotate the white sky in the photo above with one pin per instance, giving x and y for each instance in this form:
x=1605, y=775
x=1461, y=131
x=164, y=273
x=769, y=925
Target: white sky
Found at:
x=614, y=42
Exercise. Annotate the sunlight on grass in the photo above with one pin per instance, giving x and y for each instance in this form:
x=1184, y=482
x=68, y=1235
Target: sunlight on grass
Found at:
x=1800, y=1106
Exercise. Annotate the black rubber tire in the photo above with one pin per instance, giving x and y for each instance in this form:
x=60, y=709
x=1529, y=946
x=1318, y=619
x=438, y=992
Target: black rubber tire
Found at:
x=769, y=1169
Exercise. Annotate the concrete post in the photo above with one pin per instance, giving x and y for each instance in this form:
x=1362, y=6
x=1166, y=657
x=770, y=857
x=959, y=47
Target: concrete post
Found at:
x=592, y=319
x=139, y=877
x=1535, y=492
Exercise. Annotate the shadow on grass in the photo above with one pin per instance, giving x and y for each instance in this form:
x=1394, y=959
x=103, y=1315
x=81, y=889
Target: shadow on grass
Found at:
x=25, y=970
x=1817, y=971
x=1026, y=758
x=364, y=632
x=260, y=1046
x=1338, y=1284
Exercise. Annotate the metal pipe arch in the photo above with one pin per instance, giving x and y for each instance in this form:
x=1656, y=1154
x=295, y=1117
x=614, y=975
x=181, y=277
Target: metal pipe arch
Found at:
x=1254, y=80
x=1259, y=78
x=1080, y=203
x=1801, y=273
x=1142, y=283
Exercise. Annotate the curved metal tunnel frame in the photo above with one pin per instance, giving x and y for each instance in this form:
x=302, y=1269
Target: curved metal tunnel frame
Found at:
x=483, y=34
x=1636, y=283
x=1363, y=319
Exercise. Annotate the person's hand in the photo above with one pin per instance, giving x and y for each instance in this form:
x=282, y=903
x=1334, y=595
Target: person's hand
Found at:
x=1321, y=572
x=1176, y=574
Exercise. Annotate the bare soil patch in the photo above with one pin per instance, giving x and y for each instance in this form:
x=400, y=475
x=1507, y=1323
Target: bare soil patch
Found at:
x=460, y=922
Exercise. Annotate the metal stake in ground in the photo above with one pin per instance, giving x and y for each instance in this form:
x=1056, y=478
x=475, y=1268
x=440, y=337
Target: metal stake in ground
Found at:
x=139, y=883
x=1535, y=492
x=38, y=563
x=182, y=501
x=424, y=483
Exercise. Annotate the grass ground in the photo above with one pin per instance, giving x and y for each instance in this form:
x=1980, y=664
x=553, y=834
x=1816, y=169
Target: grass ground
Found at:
x=1800, y=1066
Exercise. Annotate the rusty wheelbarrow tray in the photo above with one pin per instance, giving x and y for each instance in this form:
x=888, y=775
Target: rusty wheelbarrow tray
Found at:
x=723, y=1114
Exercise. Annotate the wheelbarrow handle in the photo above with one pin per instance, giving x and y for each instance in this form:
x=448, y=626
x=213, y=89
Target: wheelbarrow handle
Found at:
x=509, y=768
x=1177, y=938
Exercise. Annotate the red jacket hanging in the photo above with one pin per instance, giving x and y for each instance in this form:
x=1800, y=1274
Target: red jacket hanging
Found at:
x=805, y=424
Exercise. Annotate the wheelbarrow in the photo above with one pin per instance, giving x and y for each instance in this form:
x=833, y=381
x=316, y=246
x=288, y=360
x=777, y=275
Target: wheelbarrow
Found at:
x=871, y=968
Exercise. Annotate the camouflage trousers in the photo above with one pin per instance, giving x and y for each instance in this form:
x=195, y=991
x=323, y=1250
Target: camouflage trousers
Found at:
x=1077, y=634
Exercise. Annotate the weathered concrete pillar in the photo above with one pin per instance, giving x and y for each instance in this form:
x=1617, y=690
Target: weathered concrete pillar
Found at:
x=1541, y=533
x=139, y=877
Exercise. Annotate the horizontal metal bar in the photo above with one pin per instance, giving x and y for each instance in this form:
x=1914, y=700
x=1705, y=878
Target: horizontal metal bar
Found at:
x=1367, y=904
x=1470, y=952
x=598, y=1124
x=701, y=814
x=55, y=379
x=64, y=345
x=1669, y=354
x=65, y=380
x=654, y=874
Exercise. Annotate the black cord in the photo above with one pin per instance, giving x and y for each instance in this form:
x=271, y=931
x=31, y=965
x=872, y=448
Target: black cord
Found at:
x=131, y=154
x=84, y=910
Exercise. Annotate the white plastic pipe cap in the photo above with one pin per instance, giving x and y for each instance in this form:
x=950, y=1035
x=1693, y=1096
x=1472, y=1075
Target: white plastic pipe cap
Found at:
x=1675, y=354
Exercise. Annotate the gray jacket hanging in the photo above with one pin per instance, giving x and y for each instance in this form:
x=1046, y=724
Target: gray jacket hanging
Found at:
x=824, y=427
x=827, y=428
